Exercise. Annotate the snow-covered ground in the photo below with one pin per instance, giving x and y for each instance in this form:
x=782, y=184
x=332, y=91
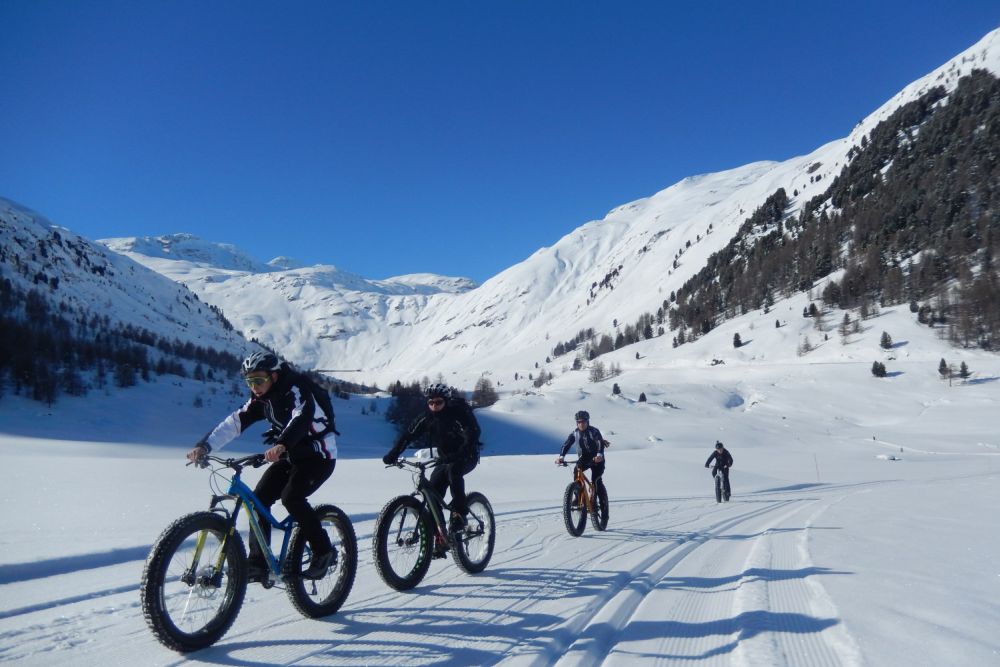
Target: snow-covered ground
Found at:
x=860, y=531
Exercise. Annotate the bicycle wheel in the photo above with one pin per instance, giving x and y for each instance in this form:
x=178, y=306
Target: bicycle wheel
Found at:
x=402, y=543
x=574, y=510
x=474, y=545
x=194, y=581
x=321, y=597
x=599, y=512
x=718, y=488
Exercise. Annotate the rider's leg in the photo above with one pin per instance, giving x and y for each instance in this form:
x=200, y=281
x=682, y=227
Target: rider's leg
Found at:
x=725, y=481
x=303, y=480
x=597, y=474
x=268, y=490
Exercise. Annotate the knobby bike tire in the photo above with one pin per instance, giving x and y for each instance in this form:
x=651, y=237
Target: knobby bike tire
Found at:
x=190, y=606
x=718, y=487
x=574, y=512
x=402, y=543
x=315, y=598
x=599, y=512
x=474, y=545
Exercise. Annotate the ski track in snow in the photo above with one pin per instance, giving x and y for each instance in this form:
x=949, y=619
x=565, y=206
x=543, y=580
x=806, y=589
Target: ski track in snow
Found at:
x=672, y=580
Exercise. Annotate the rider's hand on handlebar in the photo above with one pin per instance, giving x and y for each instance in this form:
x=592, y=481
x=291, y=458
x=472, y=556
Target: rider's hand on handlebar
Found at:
x=560, y=462
x=196, y=454
x=598, y=458
x=390, y=459
x=274, y=453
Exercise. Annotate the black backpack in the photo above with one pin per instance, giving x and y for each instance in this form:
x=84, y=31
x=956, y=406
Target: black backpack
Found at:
x=463, y=405
x=322, y=398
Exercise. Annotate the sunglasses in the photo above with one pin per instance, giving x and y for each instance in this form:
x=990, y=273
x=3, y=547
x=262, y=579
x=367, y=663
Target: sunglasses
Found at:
x=435, y=401
x=256, y=381
x=581, y=421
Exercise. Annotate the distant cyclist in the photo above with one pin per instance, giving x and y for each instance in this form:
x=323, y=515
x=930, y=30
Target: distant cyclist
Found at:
x=723, y=461
x=590, y=446
x=299, y=462
x=451, y=427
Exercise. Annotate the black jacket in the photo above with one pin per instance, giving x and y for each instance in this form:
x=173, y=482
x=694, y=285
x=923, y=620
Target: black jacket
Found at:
x=292, y=412
x=453, y=430
x=724, y=459
x=589, y=443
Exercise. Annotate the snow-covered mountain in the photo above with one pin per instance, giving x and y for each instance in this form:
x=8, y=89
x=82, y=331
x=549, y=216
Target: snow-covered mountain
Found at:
x=604, y=274
x=74, y=274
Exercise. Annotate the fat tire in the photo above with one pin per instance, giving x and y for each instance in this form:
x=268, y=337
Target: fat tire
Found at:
x=480, y=525
x=574, y=516
x=718, y=487
x=599, y=513
x=315, y=598
x=419, y=530
x=163, y=570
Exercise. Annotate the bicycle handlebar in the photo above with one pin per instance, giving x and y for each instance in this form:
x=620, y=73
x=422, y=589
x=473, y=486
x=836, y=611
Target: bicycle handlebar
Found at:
x=254, y=461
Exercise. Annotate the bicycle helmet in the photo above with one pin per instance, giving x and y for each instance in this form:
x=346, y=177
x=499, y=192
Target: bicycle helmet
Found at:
x=582, y=416
x=718, y=445
x=438, y=390
x=260, y=361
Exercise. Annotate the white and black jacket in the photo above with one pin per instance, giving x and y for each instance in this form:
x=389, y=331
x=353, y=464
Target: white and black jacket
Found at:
x=290, y=409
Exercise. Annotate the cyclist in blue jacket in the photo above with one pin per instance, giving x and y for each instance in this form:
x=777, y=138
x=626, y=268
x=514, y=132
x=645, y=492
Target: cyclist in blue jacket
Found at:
x=590, y=445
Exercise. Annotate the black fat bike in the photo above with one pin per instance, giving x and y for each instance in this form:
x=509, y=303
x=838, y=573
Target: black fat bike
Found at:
x=411, y=530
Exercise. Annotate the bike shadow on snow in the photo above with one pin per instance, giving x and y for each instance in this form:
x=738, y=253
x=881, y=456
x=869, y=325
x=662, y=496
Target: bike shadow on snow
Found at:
x=435, y=627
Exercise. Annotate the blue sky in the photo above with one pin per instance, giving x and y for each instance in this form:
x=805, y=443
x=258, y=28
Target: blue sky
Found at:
x=445, y=137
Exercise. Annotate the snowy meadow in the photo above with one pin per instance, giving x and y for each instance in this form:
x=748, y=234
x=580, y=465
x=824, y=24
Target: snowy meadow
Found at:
x=855, y=535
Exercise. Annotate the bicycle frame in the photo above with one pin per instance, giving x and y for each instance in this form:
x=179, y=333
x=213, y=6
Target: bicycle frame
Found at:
x=244, y=497
x=586, y=486
x=431, y=500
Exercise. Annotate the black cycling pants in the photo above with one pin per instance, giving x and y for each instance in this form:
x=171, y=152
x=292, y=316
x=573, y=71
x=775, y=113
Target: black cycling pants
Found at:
x=596, y=471
x=293, y=483
x=453, y=475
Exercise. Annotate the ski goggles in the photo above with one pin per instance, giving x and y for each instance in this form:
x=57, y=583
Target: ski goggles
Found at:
x=256, y=381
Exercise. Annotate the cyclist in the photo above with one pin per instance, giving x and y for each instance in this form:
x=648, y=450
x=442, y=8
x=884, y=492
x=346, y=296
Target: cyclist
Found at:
x=299, y=462
x=723, y=461
x=451, y=427
x=590, y=444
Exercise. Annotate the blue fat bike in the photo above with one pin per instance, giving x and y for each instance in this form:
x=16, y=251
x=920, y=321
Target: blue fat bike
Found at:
x=411, y=530
x=195, y=577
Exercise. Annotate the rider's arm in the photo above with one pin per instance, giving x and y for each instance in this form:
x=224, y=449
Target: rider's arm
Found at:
x=566, y=445
x=232, y=426
x=600, y=441
x=709, y=460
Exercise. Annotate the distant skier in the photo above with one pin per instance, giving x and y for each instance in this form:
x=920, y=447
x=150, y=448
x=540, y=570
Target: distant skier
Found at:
x=723, y=461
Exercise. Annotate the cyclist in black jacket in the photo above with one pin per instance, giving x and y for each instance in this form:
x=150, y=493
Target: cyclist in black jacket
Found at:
x=451, y=427
x=300, y=462
x=723, y=461
x=590, y=445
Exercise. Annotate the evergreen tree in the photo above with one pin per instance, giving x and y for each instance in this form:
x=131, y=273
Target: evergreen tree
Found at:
x=616, y=390
x=642, y=397
x=963, y=371
x=886, y=341
x=484, y=394
x=944, y=370
x=736, y=340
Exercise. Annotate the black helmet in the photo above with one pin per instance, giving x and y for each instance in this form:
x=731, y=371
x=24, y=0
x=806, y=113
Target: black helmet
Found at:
x=718, y=445
x=438, y=390
x=582, y=416
x=260, y=361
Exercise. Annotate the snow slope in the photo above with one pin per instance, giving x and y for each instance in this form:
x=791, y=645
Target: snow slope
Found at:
x=605, y=272
x=856, y=533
